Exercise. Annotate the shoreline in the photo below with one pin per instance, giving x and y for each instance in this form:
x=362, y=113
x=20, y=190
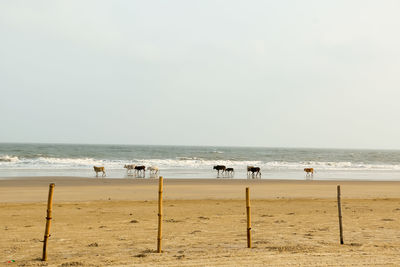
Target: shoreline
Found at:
x=298, y=175
x=77, y=189
x=225, y=179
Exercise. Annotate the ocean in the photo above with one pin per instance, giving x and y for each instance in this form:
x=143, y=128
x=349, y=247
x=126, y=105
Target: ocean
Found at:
x=18, y=160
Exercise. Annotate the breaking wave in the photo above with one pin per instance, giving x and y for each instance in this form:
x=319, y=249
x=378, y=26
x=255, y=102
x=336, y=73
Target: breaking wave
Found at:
x=13, y=162
x=7, y=158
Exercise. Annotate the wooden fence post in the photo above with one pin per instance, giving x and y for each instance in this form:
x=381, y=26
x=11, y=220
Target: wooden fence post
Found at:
x=160, y=213
x=248, y=217
x=340, y=215
x=48, y=221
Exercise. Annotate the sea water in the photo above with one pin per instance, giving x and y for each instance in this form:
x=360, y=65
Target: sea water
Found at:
x=197, y=161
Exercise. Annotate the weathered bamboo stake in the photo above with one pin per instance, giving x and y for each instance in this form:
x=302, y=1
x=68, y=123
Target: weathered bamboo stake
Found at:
x=340, y=215
x=160, y=213
x=48, y=221
x=248, y=217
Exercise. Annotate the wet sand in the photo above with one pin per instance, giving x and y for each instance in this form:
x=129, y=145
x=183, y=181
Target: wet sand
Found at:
x=34, y=189
x=113, y=222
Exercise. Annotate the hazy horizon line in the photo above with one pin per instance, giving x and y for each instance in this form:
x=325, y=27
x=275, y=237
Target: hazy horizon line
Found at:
x=175, y=145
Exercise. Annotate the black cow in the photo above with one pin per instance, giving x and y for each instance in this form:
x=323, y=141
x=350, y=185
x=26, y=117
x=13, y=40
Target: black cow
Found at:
x=229, y=171
x=219, y=168
x=140, y=170
x=254, y=170
x=249, y=170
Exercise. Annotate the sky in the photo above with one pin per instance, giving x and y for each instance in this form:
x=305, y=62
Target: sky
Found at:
x=321, y=74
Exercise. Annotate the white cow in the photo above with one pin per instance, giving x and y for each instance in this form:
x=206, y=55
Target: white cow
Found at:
x=129, y=168
x=153, y=171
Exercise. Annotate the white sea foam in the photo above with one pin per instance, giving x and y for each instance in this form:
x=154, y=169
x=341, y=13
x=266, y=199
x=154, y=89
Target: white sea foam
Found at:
x=7, y=158
x=344, y=165
x=11, y=162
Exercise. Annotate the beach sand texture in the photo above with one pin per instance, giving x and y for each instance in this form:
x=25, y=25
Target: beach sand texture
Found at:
x=100, y=222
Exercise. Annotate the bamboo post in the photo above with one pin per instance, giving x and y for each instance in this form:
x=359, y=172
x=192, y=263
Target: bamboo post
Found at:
x=160, y=213
x=48, y=221
x=248, y=217
x=340, y=215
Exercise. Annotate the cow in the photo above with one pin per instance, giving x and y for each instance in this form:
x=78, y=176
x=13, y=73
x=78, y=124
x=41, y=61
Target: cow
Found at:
x=140, y=170
x=219, y=168
x=309, y=172
x=229, y=171
x=255, y=170
x=153, y=170
x=129, y=168
x=99, y=169
x=249, y=170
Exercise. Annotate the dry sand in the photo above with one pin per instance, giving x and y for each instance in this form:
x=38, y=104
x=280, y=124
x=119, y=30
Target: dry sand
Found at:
x=100, y=222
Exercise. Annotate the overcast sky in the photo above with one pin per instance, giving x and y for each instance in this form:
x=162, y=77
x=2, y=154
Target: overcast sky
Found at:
x=241, y=73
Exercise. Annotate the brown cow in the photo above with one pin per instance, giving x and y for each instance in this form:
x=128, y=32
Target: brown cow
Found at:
x=99, y=169
x=309, y=172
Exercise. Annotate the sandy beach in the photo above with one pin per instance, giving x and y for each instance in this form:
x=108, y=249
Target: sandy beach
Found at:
x=273, y=125
x=113, y=222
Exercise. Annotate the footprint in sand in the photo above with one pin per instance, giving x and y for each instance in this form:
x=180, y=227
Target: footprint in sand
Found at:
x=172, y=221
x=179, y=257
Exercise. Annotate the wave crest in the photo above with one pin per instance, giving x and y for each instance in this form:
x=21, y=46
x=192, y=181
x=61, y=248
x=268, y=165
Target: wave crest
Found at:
x=7, y=158
x=11, y=162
